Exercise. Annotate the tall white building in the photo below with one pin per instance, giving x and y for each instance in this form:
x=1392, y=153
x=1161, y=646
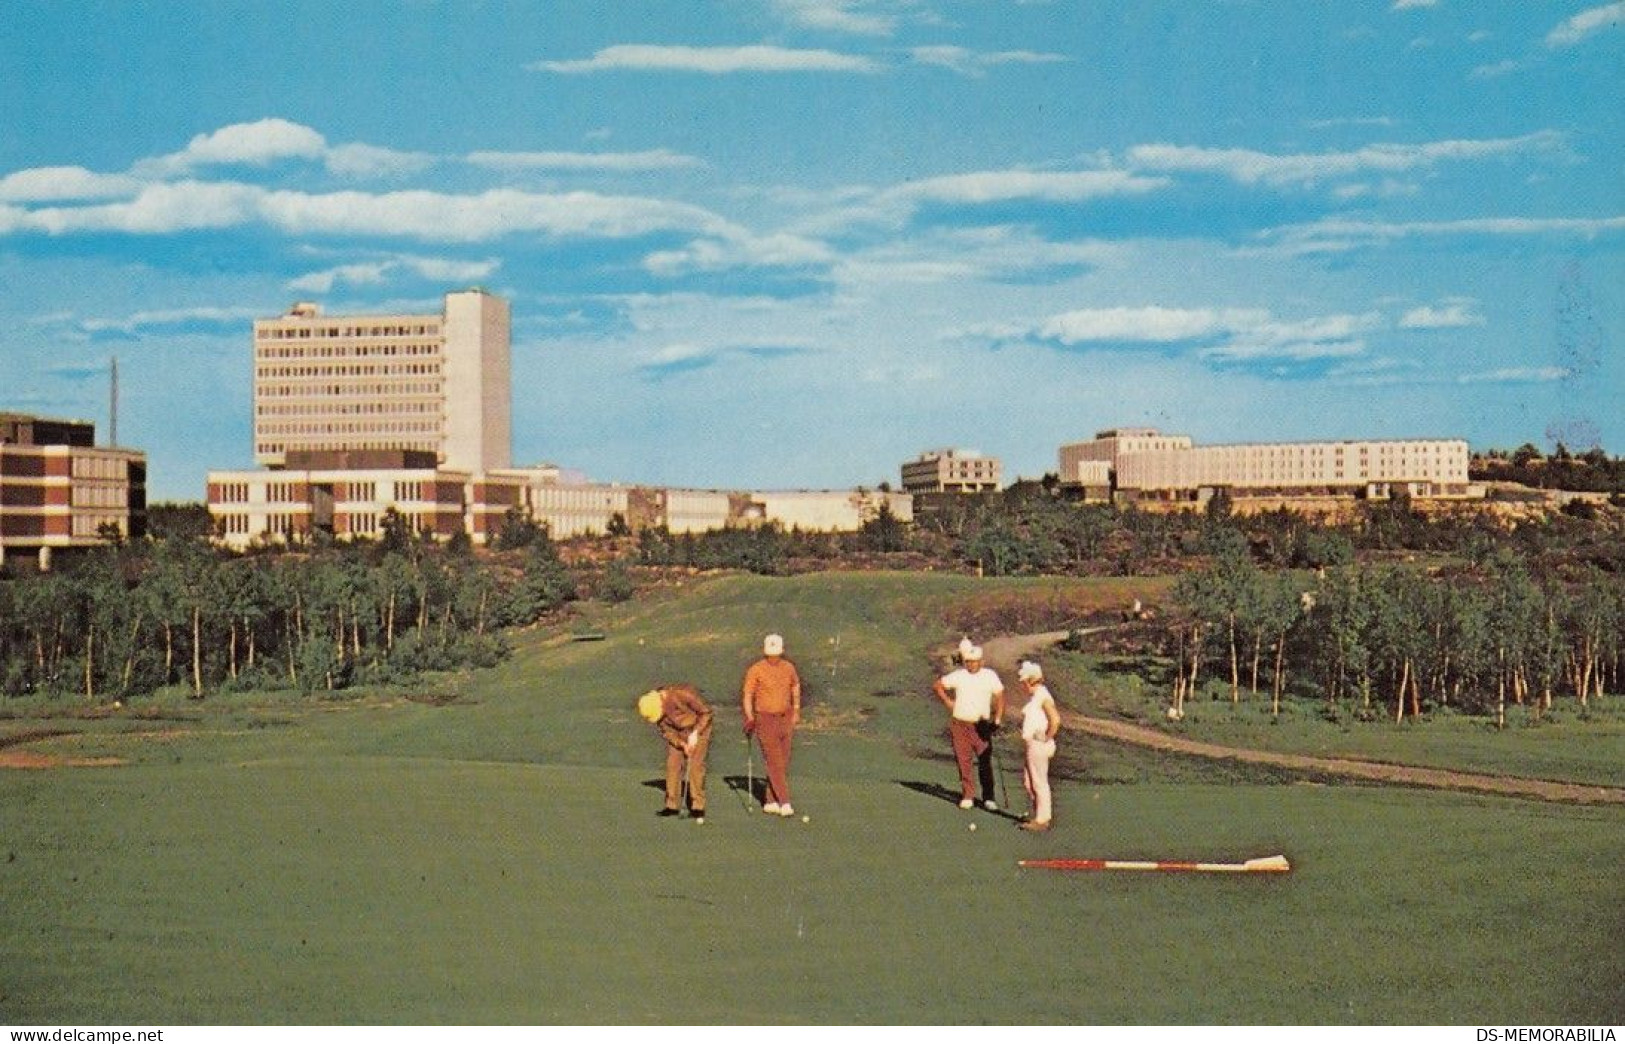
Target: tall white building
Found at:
x=435, y=383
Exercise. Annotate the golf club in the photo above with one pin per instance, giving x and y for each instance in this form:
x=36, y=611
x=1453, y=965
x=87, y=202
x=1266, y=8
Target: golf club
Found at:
x=998, y=770
x=749, y=796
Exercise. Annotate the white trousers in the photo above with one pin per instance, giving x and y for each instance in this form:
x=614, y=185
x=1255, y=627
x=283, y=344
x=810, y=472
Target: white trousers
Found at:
x=1035, y=777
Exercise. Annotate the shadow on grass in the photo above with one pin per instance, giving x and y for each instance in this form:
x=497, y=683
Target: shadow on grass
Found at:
x=942, y=793
x=749, y=788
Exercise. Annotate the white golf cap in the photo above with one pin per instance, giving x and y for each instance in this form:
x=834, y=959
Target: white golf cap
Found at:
x=773, y=645
x=971, y=652
x=1029, y=671
x=965, y=646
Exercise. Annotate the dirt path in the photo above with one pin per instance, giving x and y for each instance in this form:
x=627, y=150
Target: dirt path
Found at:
x=1005, y=650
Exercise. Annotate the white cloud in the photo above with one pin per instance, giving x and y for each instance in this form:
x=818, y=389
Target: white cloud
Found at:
x=255, y=144
x=441, y=217
x=617, y=162
x=1494, y=69
x=1152, y=324
x=1405, y=5
x=741, y=251
x=432, y=216
x=1000, y=186
x=1325, y=337
x=976, y=63
x=1228, y=334
x=841, y=16
x=158, y=209
x=1516, y=375
x=371, y=161
x=945, y=255
x=1339, y=234
x=170, y=317
x=710, y=60
x=1387, y=188
x=57, y=184
x=1582, y=25
x=1449, y=315
x=1352, y=121
x=268, y=141
x=373, y=273
x=1251, y=167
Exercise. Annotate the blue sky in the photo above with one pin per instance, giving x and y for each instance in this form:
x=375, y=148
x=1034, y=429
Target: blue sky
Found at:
x=792, y=243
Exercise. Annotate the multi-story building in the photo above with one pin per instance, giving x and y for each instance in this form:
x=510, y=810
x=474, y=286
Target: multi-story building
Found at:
x=59, y=490
x=951, y=471
x=1146, y=465
x=414, y=383
x=356, y=417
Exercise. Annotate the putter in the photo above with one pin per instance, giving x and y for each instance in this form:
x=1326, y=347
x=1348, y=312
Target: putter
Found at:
x=748, y=795
x=998, y=772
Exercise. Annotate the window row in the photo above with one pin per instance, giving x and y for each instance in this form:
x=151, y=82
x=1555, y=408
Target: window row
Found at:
x=311, y=332
x=344, y=351
x=392, y=409
x=369, y=370
x=356, y=428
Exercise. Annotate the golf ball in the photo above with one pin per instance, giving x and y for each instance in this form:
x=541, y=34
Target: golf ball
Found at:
x=973, y=826
x=806, y=819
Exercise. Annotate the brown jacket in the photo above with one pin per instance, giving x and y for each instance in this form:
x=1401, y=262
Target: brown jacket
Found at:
x=682, y=710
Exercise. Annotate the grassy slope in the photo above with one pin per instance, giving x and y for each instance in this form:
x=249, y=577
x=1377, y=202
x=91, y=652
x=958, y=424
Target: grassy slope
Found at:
x=496, y=860
x=1560, y=747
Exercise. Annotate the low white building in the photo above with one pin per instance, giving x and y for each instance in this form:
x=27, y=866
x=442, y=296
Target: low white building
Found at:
x=1145, y=464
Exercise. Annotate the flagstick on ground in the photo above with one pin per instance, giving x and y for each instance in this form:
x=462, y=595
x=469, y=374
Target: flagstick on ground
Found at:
x=1266, y=865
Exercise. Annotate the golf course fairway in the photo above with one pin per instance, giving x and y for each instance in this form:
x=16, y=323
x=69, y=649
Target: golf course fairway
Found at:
x=484, y=849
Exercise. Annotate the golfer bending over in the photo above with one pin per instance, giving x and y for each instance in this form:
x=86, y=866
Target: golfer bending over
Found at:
x=684, y=720
x=1040, y=721
x=771, y=700
x=976, y=707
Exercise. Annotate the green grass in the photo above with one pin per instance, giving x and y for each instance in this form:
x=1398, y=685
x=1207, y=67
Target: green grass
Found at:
x=495, y=860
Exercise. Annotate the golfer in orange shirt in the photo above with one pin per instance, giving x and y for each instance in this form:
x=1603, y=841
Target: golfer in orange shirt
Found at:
x=771, y=699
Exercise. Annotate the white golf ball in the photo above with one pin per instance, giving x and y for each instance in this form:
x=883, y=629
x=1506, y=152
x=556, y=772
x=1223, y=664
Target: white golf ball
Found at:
x=973, y=826
x=806, y=819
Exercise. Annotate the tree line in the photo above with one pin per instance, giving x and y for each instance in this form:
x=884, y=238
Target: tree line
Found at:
x=130, y=620
x=1592, y=471
x=1397, y=639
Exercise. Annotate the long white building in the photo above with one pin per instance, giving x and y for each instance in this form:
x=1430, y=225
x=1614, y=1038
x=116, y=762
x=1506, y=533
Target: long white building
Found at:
x=1144, y=464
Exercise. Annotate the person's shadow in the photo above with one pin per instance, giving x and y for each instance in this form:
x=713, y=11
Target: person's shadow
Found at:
x=942, y=793
x=753, y=788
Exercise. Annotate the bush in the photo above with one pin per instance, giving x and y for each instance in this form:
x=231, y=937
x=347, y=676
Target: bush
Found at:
x=617, y=585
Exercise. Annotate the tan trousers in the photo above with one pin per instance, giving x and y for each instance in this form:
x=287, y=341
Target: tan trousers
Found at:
x=675, y=758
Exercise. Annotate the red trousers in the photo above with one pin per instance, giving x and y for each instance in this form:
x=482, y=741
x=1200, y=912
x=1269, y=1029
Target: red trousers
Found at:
x=773, y=733
x=973, y=752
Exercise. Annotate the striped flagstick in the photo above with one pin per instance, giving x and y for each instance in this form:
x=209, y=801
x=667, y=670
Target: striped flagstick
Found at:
x=1266, y=865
